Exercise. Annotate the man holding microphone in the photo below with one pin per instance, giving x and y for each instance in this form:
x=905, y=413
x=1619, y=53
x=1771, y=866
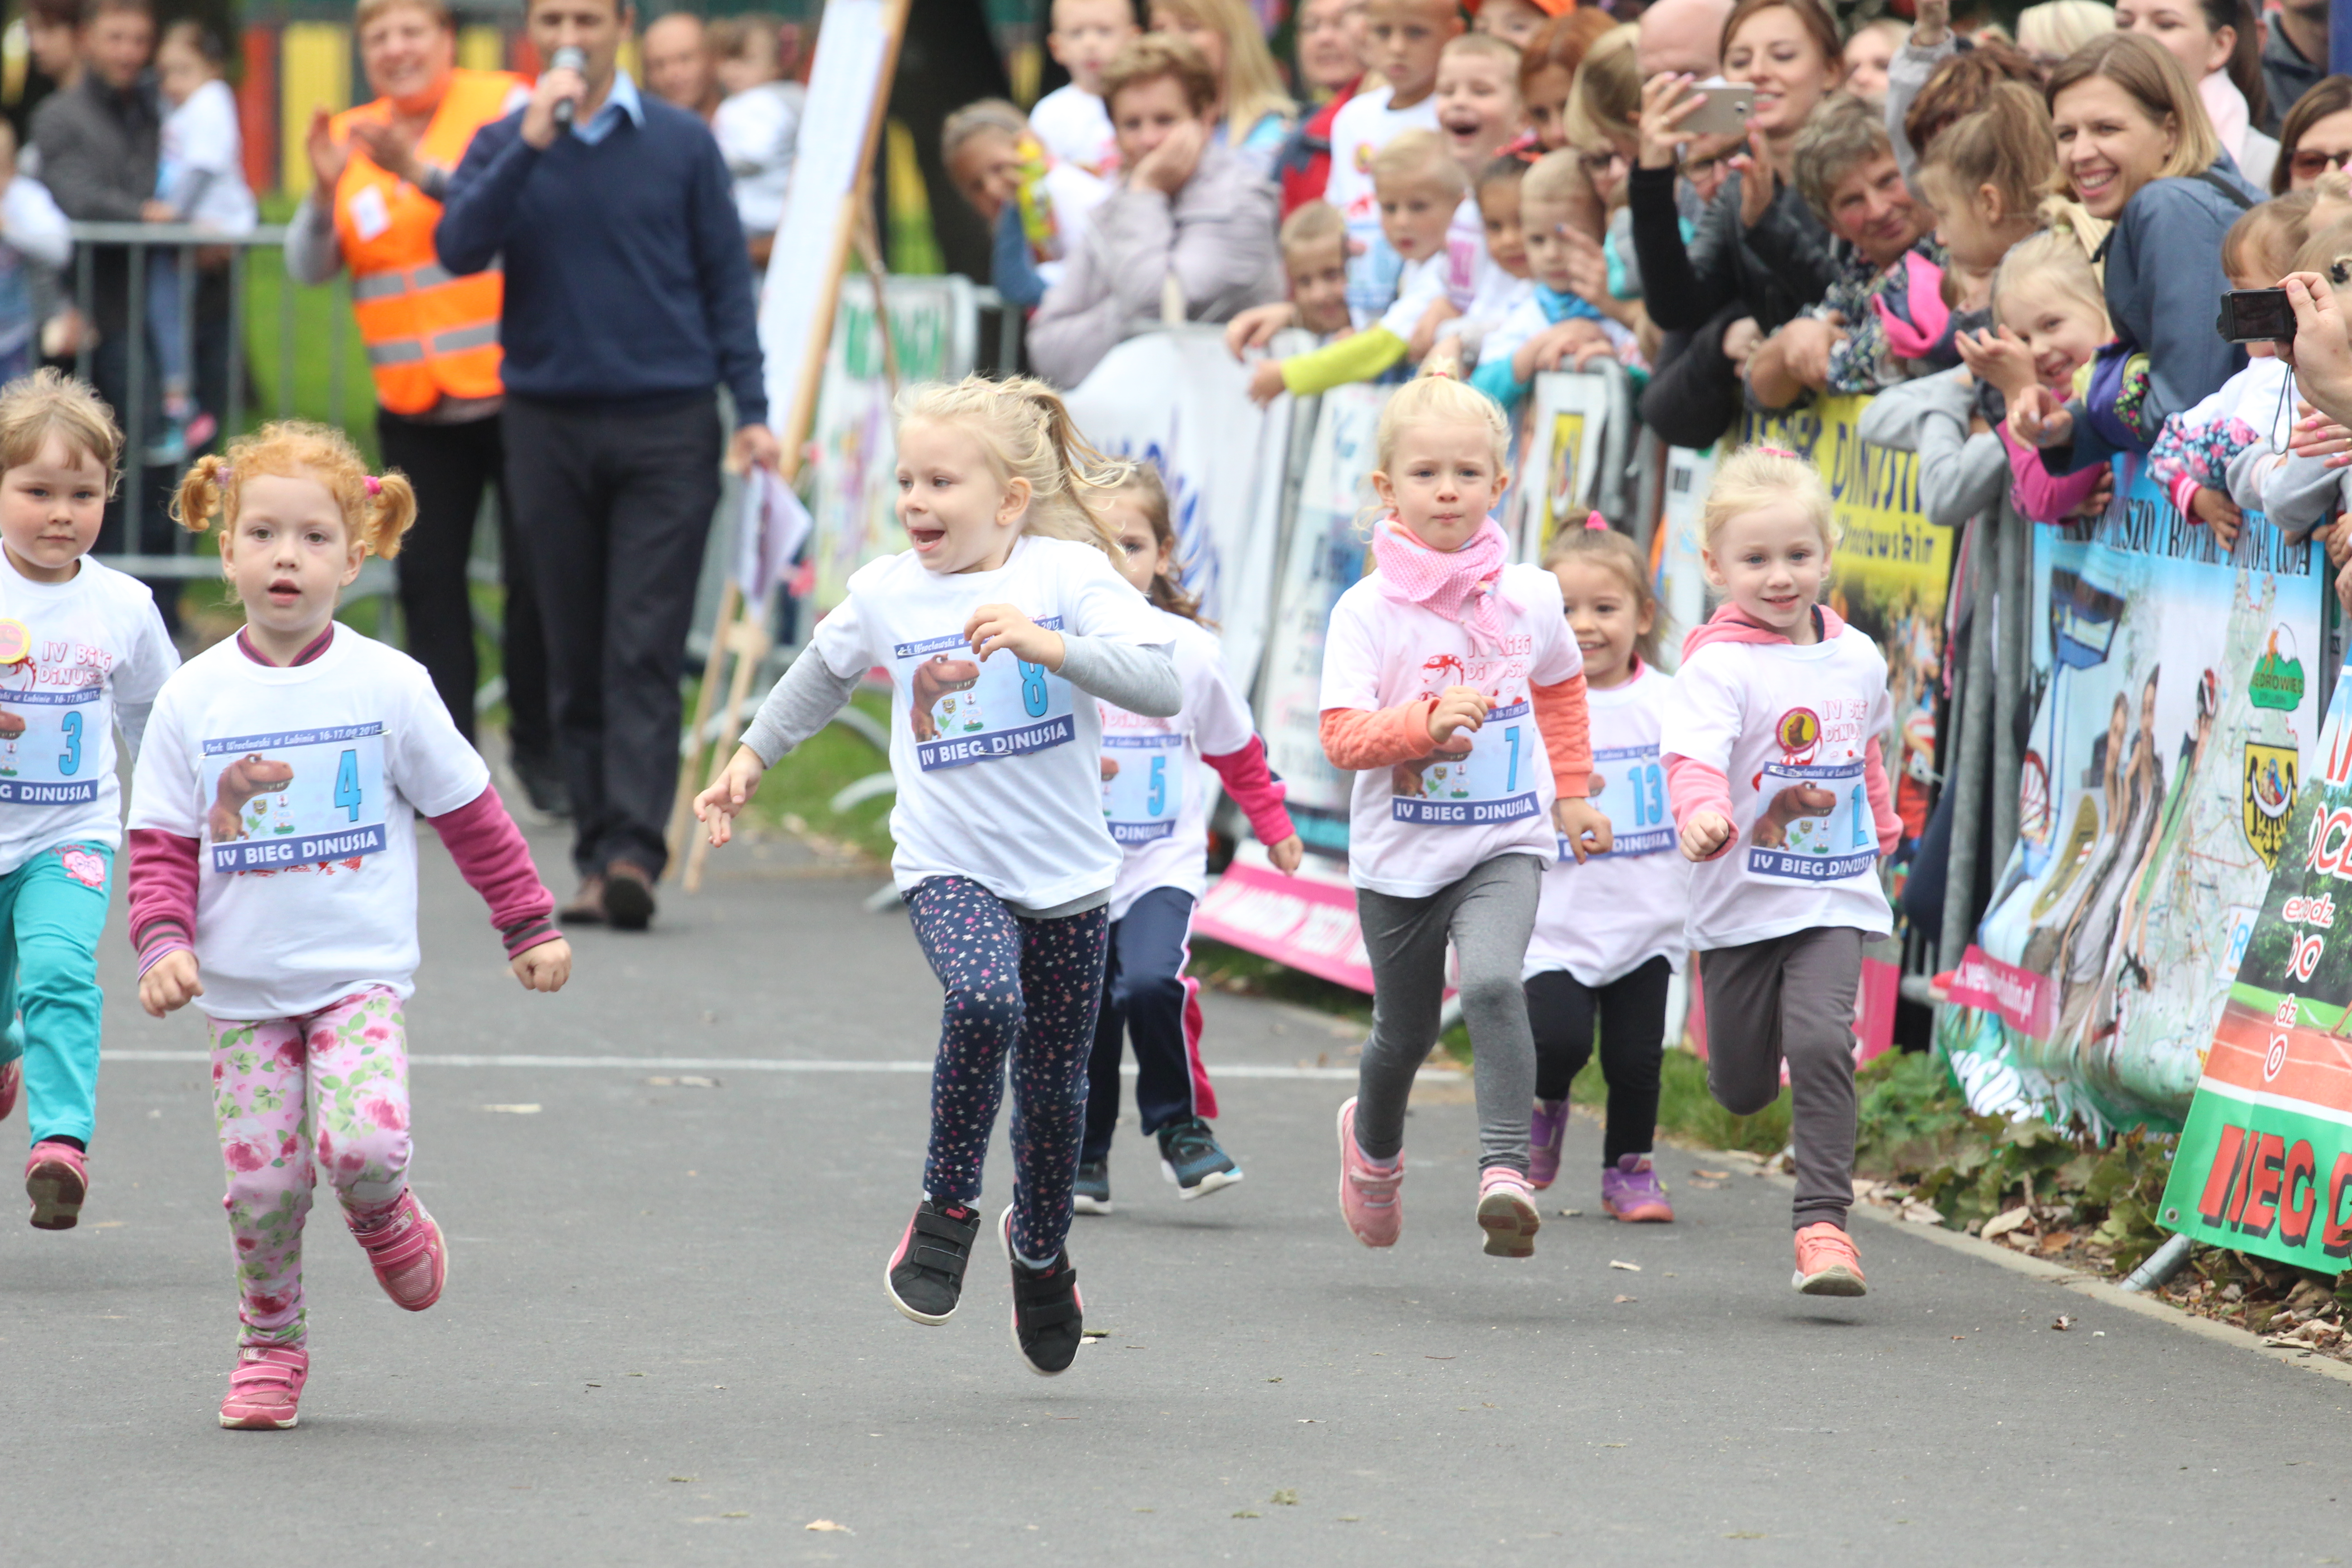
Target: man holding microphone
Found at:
x=628, y=298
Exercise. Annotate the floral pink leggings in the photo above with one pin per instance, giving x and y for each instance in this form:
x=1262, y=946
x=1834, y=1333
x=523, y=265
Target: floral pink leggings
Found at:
x=341, y=1071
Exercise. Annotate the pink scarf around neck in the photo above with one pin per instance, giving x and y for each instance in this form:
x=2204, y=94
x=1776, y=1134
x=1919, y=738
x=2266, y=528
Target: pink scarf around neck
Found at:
x=1461, y=587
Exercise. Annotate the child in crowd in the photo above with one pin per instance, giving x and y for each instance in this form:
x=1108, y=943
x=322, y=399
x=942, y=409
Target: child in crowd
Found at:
x=1002, y=854
x=82, y=650
x=273, y=873
x=1478, y=114
x=33, y=234
x=1510, y=281
x=2053, y=316
x=1770, y=737
x=758, y=124
x=199, y=179
x=1609, y=931
x=1315, y=260
x=1554, y=325
x=1514, y=21
x=1402, y=41
x=1869, y=50
x=1035, y=209
x=1071, y=120
x=1453, y=691
x=1158, y=807
x=1421, y=186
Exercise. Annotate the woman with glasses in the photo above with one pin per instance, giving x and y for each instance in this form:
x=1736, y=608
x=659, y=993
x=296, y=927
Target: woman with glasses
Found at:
x=2316, y=137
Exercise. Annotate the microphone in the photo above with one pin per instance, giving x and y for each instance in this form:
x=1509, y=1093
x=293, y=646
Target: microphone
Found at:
x=567, y=59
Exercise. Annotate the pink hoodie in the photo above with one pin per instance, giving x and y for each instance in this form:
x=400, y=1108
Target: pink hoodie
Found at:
x=1693, y=786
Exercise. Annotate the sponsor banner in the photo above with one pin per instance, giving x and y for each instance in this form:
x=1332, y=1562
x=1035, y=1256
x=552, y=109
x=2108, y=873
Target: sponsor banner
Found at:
x=2020, y=996
x=1308, y=921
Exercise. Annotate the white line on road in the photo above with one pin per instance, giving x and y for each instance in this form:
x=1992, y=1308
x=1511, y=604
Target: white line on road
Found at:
x=766, y=1064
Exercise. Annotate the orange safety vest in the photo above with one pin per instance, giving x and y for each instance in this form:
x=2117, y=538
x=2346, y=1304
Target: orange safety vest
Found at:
x=430, y=333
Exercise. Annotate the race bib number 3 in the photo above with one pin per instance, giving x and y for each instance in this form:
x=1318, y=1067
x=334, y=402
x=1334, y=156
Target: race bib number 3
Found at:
x=1631, y=790
x=48, y=747
x=1145, y=787
x=1493, y=782
x=967, y=710
x=307, y=798
x=1812, y=824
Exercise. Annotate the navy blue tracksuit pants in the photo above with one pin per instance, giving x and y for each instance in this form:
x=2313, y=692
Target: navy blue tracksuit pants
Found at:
x=1147, y=999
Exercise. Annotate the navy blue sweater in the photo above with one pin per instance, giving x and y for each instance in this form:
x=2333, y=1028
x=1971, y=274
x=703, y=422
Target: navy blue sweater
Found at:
x=626, y=276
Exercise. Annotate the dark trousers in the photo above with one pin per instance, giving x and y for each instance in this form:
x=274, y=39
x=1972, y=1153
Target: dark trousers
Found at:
x=613, y=502
x=1790, y=998
x=1148, y=998
x=1630, y=1011
x=450, y=465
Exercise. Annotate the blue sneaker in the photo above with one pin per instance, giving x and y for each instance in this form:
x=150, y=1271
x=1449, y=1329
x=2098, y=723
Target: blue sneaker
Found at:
x=1090, y=1193
x=1189, y=1156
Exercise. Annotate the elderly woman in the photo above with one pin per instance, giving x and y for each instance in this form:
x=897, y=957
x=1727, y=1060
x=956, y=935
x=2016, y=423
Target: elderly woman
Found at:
x=1188, y=214
x=433, y=345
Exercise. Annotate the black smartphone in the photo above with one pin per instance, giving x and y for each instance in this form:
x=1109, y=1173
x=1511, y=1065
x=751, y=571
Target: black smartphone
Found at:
x=2256, y=316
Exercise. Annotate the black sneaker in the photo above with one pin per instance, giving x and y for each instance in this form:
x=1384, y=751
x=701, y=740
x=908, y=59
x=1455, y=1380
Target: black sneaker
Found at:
x=1090, y=1193
x=1048, y=1315
x=1189, y=1156
x=925, y=1278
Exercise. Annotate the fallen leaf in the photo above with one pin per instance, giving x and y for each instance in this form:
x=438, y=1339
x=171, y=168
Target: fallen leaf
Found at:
x=1712, y=1175
x=1348, y=1519
x=1959, y=1336
x=1570, y=1213
x=2002, y=1224
x=514, y=1109
x=1743, y=1535
x=828, y=1525
x=1622, y=1298
x=1248, y=1514
x=738, y=1514
x=1629, y=1267
x=1094, y=1333
x=1274, y=1380
x=1286, y=1497
x=682, y=1478
x=2062, y=1323
x=2057, y=1241
x=1702, y=1182
x=1310, y=1421
x=1425, y=1356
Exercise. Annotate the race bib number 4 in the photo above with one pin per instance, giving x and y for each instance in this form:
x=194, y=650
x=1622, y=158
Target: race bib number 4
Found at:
x=48, y=747
x=1630, y=787
x=307, y=798
x=967, y=710
x=1812, y=824
x=1143, y=785
x=1493, y=782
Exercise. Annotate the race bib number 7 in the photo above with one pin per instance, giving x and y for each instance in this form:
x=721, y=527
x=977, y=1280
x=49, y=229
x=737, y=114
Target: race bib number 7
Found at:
x=306, y=797
x=1494, y=782
x=48, y=746
x=1812, y=824
x=966, y=711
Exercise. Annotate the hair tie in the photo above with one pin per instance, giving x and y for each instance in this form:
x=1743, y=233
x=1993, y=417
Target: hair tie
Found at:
x=1597, y=522
x=374, y=485
x=1781, y=452
x=224, y=474
x=1440, y=373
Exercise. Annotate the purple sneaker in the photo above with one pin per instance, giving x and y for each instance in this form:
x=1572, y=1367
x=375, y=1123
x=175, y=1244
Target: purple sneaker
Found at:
x=1631, y=1193
x=1544, y=1130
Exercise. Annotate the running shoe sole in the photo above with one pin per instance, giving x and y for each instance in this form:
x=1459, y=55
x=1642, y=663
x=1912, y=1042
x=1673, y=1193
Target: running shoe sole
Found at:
x=57, y=1191
x=1835, y=1281
x=1004, y=1239
x=259, y=1423
x=1639, y=1214
x=1081, y=1205
x=1200, y=1189
x=1510, y=1221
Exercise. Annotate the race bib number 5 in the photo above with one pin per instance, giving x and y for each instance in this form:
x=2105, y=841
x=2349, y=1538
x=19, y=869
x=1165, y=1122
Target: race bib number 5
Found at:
x=305, y=797
x=1812, y=824
x=965, y=711
x=1143, y=785
x=1493, y=782
x=48, y=747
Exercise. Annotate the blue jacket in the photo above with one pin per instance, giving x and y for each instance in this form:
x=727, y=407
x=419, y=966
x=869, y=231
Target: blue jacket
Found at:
x=626, y=276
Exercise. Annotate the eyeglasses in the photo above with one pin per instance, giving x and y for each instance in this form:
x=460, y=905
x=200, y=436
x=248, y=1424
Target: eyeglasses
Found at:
x=1601, y=162
x=1698, y=169
x=2310, y=163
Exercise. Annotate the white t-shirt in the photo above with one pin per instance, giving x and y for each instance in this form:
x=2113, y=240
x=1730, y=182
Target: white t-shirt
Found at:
x=1776, y=717
x=302, y=784
x=998, y=762
x=1156, y=799
x=758, y=131
x=1364, y=125
x=1421, y=285
x=100, y=654
x=1603, y=919
x=200, y=145
x=1419, y=826
x=1076, y=129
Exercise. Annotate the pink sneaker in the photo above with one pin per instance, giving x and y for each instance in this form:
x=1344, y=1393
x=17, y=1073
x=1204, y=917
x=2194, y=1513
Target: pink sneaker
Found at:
x=1545, y=1129
x=266, y=1389
x=12, y=1082
x=411, y=1260
x=57, y=1178
x=1507, y=1213
x=1632, y=1192
x=1827, y=1264
x=1368, y=1196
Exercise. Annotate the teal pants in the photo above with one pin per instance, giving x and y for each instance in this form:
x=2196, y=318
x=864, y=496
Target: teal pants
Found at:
x=52, y=909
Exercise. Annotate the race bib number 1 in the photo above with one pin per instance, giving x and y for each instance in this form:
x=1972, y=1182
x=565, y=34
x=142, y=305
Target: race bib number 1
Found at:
x=303, y=798
x=1812, y=824
x=1632, y=793
x=967, y=710
x=1146, y=787
x=48, y=746
x=1494, y=782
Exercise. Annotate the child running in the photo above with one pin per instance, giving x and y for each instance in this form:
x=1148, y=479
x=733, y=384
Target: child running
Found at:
x=1157, y=807
x=1770, y=742
x=273, y=873
x=1453, y=689
x=82, y=649
x=1002, y=852
x=1609, y=932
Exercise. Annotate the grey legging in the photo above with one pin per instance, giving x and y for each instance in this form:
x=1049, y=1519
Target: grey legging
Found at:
x=1488, y=915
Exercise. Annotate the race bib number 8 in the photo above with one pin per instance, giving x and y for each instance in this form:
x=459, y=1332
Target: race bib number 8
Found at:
x=1146, y=787
x=48, y=747
x=1494, y=782
x=1812, y=824
x=1632, y=793
x=302, y=798
x=966, y=711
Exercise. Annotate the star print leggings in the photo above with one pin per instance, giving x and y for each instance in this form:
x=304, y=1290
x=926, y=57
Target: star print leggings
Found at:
x=289, y=1096
x=1023, y=993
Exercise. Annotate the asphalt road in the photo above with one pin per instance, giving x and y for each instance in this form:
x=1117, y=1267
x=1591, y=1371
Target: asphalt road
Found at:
x=664, y=1337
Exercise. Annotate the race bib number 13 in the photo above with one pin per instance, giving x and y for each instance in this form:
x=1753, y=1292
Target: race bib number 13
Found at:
x=1631, y=790
x=306, y=797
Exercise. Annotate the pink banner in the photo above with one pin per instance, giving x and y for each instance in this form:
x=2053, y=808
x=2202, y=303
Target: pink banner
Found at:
x=1303, y=922
x=2019, y=996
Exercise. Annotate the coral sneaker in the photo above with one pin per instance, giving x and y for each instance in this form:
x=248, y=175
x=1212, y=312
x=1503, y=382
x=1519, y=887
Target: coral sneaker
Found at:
x=57, y=1178
x=1827, y=1264
x=1630, y=1192
x=411, y=1260
x=12, y=1082
x=1544, y=1132
x=1368, y=1196
x=266, y=1389
x=1507, y=1213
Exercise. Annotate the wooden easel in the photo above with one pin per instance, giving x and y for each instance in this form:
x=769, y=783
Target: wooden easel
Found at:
x=742, y=632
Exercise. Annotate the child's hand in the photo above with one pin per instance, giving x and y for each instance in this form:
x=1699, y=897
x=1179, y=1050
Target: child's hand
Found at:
x=2316, y=436
x=1705, y=833
x=545, y=967
x=2217, y=512
x=1460, y=708
x=994, y=626
x=2103, y=491
x=729, y=793
x=1565, y=341
x=1286, y=855
x=171, y=985
x=1585, y=825
x=1425, y=332
x=1999, y=359
x=1586, y=353
x=1255, y=328
x=2037, y=418
x=1265, y=382
x=1739, y=340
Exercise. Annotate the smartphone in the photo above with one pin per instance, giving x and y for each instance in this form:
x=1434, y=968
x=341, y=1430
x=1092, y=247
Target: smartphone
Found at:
x=2256, y=316
x=1725, y=111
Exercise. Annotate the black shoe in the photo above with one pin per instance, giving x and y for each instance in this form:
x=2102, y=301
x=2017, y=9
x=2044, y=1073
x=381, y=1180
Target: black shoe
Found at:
x=1047, y=1322
x=628, y=896
x=1189, y=1156
x=925, y=1278
x=1090, y=1193
x=542, y=778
